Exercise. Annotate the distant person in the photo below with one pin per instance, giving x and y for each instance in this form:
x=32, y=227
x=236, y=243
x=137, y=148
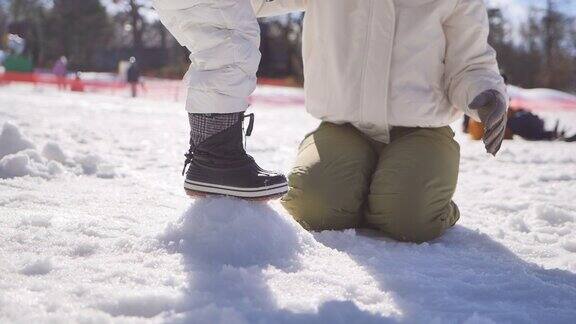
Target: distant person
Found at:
x=60, y=71
x=525, y=124
x=133, y=76
x=531, y=127
x=2, y=69
x=77, y=84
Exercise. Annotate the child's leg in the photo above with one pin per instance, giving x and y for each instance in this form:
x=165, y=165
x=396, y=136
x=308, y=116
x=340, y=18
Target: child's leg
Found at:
x=223, y=37
x=329, y=183
x=411, y=193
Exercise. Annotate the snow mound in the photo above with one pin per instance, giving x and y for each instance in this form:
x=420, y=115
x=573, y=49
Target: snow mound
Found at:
x=232, y=232
x=37, y=267
x=12, y=141
x=569, y=246
x=37, y=221
x=52, y=151
x=146, y=305
x=85, y=249
x=19, y=158
x=554, y=215
x=28, y=163
x=92, y=164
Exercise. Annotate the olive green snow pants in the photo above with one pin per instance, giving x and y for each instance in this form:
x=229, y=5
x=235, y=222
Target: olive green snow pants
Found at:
x=343, y=179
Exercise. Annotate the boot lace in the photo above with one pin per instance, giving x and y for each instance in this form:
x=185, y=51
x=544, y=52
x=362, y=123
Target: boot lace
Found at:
x=189, y=156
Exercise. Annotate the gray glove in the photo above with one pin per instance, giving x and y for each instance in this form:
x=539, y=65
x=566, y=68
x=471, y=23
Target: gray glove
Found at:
x=491, y=106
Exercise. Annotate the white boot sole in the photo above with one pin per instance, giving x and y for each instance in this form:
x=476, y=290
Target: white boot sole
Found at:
x=194, y=188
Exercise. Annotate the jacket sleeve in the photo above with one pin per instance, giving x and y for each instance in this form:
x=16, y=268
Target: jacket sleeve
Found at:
x=223, y=37
x=471, y=66
x=265, y=8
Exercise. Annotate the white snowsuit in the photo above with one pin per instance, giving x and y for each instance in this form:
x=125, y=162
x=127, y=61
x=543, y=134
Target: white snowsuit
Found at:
x=372, y=63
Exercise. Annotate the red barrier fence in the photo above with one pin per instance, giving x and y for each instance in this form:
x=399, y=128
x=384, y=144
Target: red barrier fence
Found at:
x=42, y=78
x=151, y=88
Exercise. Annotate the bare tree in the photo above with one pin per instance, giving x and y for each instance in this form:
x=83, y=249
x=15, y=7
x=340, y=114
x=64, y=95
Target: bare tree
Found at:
x=136, y=24
x=558, y=53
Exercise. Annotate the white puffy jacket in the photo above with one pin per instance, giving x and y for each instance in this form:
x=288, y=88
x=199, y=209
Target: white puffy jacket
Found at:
x=373, y=63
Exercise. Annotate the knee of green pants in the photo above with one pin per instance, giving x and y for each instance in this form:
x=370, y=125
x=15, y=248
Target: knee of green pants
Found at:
x=411, y=192
x=404, y=224
x=315, y=210
x=331, y=179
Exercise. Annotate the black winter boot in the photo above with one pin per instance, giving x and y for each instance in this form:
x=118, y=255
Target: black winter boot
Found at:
x=219, y=165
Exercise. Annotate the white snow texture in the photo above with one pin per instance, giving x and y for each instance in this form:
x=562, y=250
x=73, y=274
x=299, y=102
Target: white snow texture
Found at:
x=19, y=158
x=96, y=229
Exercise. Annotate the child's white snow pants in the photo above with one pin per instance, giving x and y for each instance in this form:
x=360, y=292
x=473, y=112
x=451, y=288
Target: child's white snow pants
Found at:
x=223, y=37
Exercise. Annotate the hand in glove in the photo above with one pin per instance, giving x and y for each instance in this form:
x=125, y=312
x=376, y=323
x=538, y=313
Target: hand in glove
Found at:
x=491, y=106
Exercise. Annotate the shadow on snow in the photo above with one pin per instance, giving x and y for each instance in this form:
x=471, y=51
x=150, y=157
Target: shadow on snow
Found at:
x=227, y=245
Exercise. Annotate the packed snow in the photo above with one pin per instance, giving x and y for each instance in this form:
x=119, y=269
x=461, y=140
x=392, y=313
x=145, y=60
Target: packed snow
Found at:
x=96, y=228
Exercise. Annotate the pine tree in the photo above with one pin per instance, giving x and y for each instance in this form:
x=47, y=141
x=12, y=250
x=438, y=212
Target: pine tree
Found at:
x=135, y=21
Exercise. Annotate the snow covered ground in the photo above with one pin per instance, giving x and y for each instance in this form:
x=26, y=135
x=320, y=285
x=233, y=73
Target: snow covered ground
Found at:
x=95, y=228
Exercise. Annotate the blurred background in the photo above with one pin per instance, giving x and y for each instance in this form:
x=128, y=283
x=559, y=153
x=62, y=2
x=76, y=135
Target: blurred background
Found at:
x=98, y=35
x=535, y=40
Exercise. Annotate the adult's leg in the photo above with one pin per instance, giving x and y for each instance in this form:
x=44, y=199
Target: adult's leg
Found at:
x=330, y=180
x=134, y=89
x=411, y=192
